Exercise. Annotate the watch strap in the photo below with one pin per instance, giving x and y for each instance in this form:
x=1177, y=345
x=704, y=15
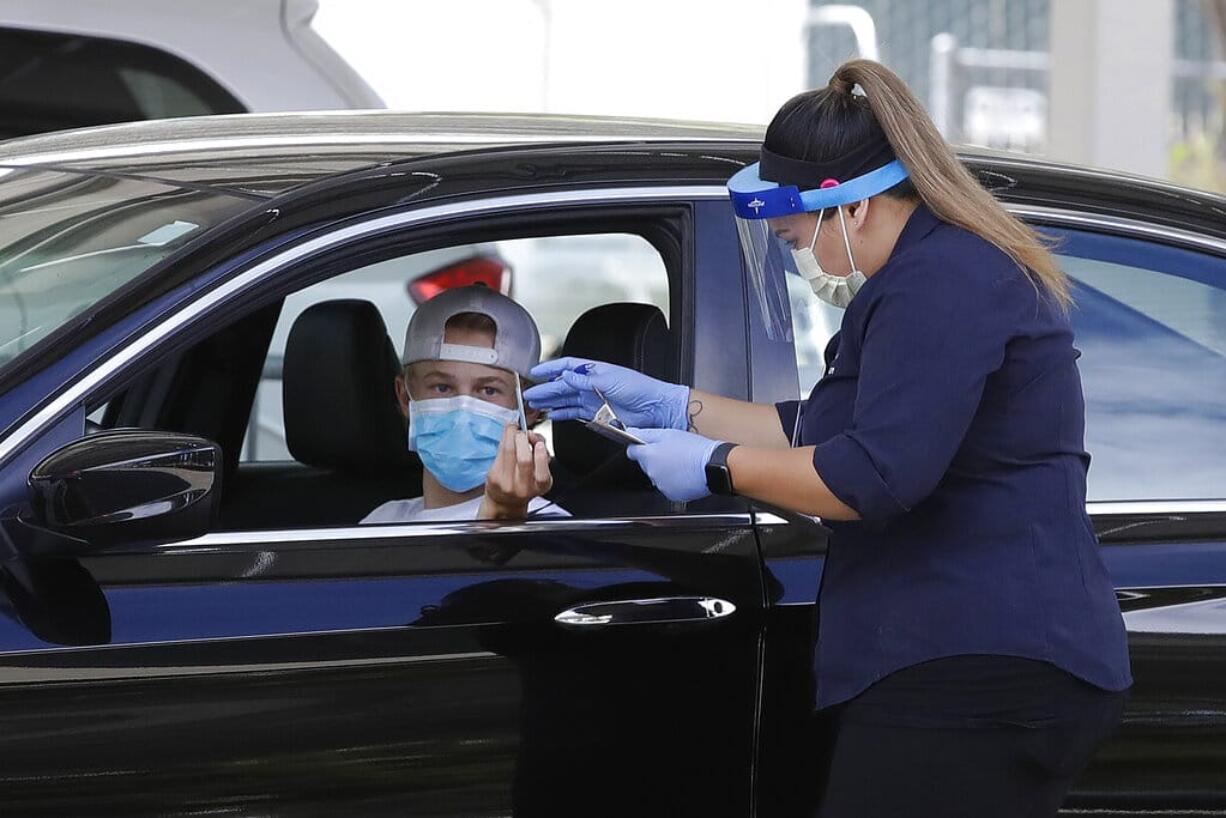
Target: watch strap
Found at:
x=719, y=477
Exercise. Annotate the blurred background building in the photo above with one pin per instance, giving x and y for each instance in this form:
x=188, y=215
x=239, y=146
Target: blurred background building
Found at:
x=1132, y=84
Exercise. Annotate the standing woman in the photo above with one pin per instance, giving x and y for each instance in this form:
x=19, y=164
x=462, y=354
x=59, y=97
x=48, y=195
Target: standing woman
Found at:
x=969, y=635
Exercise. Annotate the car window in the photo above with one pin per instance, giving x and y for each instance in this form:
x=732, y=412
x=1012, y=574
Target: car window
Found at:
x=1150, y=322
x=52, y=81
x=556, y=278
x=67, y=240
x=1153, y=368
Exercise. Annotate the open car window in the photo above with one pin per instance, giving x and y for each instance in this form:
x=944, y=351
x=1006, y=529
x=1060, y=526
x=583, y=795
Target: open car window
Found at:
x=325, y=440
x=556, y=278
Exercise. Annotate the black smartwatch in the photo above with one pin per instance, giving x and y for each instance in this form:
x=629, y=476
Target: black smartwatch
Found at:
x=719, y=478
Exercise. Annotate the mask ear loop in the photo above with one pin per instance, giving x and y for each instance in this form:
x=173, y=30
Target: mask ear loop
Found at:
x=813, y=243
x=847, y=242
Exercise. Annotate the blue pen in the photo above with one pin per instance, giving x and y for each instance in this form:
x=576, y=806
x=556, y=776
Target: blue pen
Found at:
x=581, y=369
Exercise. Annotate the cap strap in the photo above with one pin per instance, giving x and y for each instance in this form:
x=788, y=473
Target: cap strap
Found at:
x=467, y=354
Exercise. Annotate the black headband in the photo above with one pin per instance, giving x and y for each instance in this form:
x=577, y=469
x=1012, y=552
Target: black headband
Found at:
x=809, y=175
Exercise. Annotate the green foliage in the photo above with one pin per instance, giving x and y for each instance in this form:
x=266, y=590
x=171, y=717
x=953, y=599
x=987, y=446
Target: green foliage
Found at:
x=1199, y=162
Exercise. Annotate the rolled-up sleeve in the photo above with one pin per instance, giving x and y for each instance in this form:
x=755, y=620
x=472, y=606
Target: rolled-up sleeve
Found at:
x=930, y=342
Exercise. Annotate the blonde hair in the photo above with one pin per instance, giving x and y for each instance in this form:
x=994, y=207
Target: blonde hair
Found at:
x=941, y=181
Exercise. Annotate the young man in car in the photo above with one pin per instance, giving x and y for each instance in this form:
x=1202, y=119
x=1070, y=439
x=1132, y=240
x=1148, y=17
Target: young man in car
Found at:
x=466, y=354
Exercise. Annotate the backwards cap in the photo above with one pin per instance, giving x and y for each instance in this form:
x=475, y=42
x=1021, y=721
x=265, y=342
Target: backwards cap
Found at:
x=517, y=342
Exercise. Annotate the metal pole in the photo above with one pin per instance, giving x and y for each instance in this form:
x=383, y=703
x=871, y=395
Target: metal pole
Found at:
x=857, y=19
x=940, y=81
x=1197, y=69
x=546, y=49
x=1002, y=58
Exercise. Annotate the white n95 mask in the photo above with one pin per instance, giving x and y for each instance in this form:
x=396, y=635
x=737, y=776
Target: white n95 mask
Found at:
x=835, y=290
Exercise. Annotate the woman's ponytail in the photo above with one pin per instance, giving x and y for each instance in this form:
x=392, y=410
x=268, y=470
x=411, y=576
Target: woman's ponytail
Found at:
x=941, y=181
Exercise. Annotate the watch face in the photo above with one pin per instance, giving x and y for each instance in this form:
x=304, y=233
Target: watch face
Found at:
x=719, y=481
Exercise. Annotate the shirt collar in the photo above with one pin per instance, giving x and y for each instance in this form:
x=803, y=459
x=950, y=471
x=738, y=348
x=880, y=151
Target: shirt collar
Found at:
x=921, y=222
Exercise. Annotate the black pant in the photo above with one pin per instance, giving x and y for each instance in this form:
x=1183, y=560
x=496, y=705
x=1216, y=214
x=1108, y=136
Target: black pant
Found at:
x=971, y=736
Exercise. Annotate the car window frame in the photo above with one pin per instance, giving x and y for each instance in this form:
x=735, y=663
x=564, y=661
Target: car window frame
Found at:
x=191, y=316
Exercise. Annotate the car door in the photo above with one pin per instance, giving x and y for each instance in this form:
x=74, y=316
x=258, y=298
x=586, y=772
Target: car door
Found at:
x=604, y=665
x=1149, y=320
x=599, y=665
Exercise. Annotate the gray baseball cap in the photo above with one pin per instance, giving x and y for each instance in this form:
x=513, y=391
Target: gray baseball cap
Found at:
x=517, y=341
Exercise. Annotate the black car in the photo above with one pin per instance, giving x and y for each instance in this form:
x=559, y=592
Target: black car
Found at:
x=198, y=328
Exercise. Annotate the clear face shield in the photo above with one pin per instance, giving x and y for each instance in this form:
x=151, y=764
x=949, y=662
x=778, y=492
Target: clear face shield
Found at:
x=774, y=265
x=769, y=266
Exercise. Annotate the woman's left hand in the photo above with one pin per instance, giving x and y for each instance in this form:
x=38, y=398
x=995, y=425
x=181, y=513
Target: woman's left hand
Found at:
x=675, y=461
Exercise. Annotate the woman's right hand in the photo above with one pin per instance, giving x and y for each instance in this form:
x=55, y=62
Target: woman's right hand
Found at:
x=569, y=392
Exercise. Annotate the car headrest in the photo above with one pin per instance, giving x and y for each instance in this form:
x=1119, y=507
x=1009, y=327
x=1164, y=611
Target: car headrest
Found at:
x=630, y=335
x=338, y=390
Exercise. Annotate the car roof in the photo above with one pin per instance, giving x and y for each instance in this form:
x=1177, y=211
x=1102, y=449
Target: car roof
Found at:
x=268, y=154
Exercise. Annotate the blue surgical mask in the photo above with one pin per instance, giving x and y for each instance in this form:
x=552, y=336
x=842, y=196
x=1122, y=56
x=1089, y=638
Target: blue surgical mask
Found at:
x=457, y=438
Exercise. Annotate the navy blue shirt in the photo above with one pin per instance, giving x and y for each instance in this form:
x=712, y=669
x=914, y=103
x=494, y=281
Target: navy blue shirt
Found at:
x=951, y=418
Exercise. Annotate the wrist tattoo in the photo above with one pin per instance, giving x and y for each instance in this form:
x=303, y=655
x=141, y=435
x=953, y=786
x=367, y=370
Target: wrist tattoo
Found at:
x=693, y=410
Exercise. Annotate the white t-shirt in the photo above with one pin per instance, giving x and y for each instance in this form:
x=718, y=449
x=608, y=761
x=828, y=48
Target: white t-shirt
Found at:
x=415, y=511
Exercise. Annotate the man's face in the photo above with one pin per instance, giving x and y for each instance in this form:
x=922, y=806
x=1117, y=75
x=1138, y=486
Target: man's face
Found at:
x=428, y=380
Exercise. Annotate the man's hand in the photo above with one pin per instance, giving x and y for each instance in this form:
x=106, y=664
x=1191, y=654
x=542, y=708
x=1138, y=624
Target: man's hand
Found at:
x=520, y=473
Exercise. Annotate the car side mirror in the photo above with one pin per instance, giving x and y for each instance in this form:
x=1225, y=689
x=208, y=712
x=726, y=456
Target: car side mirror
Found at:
x=128, y=485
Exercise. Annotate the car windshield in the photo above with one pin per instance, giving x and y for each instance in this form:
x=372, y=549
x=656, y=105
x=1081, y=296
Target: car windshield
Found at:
x=69, y=239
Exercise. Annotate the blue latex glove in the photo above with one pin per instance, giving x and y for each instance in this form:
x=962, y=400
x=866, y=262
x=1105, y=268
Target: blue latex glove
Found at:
x=675, y=461
x=637, y=399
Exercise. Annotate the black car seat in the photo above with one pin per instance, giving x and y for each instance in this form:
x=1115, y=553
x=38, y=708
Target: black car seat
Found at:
x=342, y=423
x=595, y=477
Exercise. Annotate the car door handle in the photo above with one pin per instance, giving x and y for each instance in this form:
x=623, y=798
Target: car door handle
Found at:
x=645, y=611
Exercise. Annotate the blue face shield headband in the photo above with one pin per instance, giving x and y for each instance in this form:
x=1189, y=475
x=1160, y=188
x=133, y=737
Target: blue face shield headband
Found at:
x=785, y=299
x=756, y=198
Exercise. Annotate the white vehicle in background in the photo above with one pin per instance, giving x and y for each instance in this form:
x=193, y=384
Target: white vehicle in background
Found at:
x=71, y=64
x=76, y=63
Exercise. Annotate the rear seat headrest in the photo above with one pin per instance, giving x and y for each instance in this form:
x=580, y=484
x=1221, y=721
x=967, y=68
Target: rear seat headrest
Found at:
x=630, y=335
x=338, y=392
